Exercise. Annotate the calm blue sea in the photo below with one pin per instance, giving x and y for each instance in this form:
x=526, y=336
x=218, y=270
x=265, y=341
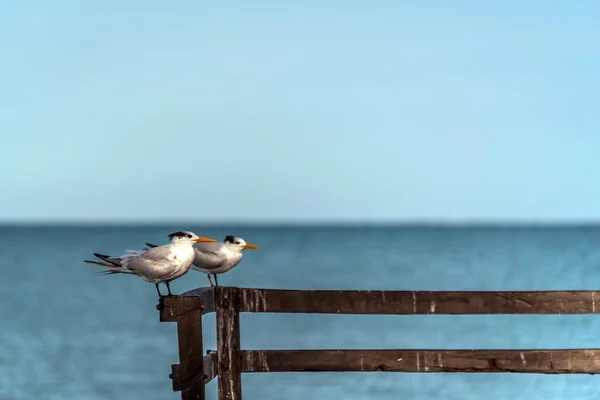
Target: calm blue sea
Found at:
x=69, y=333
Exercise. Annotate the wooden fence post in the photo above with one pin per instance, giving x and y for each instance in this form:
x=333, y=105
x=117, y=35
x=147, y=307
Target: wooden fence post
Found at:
x=191, y=354
x=228, y=343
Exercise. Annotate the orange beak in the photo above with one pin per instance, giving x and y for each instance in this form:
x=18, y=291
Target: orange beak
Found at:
x=251, y=246
x=204, y=239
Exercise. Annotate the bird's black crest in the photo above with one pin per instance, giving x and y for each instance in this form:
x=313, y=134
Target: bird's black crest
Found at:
x=178, y=234
x=229, y=239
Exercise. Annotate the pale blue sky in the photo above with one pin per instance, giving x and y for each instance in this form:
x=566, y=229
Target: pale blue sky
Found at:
x=304, y=110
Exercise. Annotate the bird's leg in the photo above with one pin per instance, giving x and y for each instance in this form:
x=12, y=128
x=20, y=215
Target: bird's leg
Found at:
x=216, y=281
x=210, y=280
x=168, y=288
x=158, y=290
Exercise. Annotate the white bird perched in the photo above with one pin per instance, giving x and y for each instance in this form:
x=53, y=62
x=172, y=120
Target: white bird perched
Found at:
x=160, y=264
x=220, y=257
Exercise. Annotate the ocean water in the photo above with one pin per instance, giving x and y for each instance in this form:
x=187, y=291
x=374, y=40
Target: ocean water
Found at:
x=69, y=333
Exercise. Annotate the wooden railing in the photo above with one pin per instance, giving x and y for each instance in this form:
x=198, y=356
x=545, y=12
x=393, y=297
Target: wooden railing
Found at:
x=195, y=369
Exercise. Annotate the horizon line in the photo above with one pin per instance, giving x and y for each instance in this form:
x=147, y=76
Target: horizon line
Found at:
x=307, y=223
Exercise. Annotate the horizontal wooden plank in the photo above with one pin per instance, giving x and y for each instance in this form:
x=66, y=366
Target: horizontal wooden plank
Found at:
x=207, y=295
x=171, y=307
x=576, y=361
x=418, y=302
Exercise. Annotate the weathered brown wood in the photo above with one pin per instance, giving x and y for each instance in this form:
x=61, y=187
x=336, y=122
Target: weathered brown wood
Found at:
x=210, y=366
x=171, y=307
x=418, y=302
x=207, y=295
x=176, y=377
x=210, y=371
x=228, y=343
x=577, y=361
x=229, y=362
x=190, y=376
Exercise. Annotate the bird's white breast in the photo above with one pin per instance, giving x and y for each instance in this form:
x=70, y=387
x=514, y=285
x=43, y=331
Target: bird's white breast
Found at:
x=184, y=254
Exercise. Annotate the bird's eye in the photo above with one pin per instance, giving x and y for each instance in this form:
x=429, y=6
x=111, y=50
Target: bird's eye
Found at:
x=237, y=242
x=190, y=236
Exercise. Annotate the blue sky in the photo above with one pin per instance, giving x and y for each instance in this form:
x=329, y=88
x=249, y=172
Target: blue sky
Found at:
x=297, y=111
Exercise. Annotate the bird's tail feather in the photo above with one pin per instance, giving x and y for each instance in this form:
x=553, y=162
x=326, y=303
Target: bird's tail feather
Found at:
x=151, y=245
x=112, y=269
x=110, y=272
x=108, y=259
x=106, y=265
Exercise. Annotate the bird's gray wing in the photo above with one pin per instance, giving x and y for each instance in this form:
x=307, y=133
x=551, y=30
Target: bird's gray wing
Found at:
x=208, y=255
x=208, y=247
x=158, y=253
x=152, y=263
